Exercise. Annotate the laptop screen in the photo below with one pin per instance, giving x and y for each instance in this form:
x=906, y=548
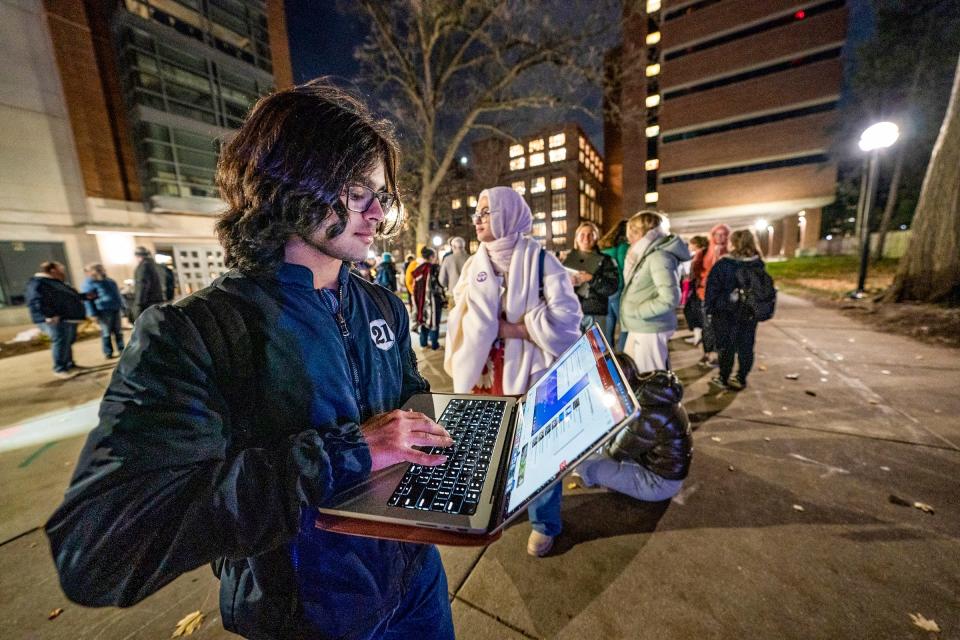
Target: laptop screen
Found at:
x=566, y=414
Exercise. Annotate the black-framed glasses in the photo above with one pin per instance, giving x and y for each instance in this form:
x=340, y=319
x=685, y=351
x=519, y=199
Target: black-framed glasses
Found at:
x=480, y=216
x=359, y=198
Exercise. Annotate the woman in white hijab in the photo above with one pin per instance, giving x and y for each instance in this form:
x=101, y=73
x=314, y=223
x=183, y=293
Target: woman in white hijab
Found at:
x=502, y=333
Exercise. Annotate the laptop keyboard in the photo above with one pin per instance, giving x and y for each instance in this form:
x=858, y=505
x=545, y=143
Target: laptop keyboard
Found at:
x=454, y=486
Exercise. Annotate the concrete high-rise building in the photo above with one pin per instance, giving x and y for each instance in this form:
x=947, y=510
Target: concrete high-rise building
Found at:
x=727, y=109
x=111, y=116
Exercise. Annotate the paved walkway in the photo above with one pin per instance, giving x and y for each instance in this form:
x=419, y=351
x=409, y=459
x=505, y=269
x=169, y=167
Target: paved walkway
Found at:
x=789, y=526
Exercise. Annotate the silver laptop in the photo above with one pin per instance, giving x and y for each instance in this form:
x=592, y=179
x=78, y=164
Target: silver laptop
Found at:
x=506, y=450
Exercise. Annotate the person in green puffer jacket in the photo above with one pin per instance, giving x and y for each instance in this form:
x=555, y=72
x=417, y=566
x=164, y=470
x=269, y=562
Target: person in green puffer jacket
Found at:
x=652, y=290
x=615, y=245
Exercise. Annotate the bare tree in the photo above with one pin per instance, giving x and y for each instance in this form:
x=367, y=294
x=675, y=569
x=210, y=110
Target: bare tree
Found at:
x=445, y=69
x=930, y=270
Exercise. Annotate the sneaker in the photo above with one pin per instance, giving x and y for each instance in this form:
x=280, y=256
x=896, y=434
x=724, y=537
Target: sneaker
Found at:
x=539, y=544
x=63, y=375
x=737, y=384
x=719, y=383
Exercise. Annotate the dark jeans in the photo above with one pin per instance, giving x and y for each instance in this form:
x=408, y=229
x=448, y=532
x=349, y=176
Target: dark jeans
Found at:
x=110, y=327
x=613, y=315
x=62, y=336
x=735, y=337
x=433, y=335
x=693, y=312
x=424, y=612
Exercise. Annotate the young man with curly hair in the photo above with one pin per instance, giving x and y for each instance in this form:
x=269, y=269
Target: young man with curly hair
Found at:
x=237, y=411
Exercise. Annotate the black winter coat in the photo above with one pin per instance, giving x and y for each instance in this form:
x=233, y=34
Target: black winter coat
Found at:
x=660, y=439
x=48, y=297
x=593, y=295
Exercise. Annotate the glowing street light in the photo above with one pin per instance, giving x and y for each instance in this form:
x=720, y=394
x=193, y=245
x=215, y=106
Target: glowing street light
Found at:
x=874, y=139
x=437, y=241
x=760, y=225
x=879, y=136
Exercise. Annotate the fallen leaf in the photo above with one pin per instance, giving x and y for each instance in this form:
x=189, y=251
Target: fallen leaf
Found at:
x=784, y=409
x=885, y=372
x=885, y=468
x=810, y=393
x=766, y=439
x=190, y=623
x=730, y=468
x=572, y=485
x=824, y=380
x=923, y=623
x=53, y=614
x=792, y=376
x=33, y=545
x=850, y=340
x=715, y=438
x=839, y=357
x=938, y=411
x=798, y=507
x=767, y=412
x=923, y=506
x=762, y=367
x=873, y=401
x=918, y=357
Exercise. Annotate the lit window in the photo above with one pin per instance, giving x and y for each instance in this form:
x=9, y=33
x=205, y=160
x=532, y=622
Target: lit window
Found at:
x=653, y=5
x=536, y=159
x=518, y=163
x=519, y=187
x=652, y=131
x=539, y=230
x=583, y=159
x=558, y=205
x=652, y=70
x=651, y=197
x=456, y=203
x=653, y=38
x=652, y=165
x=559, y=228
x=558, y=140
x=516, y=150
x=536, y=145
x=556, y=155
x=583, y=143
x=652, y=101
x=538, y=185
x=540, y=215
x=472, y=201
x=558, y=183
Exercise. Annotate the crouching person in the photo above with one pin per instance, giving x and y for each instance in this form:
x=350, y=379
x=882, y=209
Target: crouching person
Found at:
x=649, y=459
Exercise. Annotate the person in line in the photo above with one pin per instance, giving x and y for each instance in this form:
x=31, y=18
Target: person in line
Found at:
x=735, y=329
x=452, y=264
x=105, y=306
x=56, y=308
x=387, y=273
x=615, y=245
x=169, y=282
x=693, y=305
x=412, y=264
x=429, y=298
x=652, y=290
x=716, y=249
x=595, y=278
x=509, y=322
x=147, y=287
x=650, y=458
x=237, y=411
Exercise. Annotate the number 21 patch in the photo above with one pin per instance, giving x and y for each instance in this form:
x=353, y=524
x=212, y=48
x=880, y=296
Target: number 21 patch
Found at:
x=381, y=335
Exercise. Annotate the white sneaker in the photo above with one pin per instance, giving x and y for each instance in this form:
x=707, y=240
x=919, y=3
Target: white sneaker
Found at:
x=64, y=375
x=539, y=544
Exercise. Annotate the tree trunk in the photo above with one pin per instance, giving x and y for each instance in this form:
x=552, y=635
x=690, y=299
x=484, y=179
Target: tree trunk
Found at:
x=891, y=202
x=930, y=270
x=423, y=220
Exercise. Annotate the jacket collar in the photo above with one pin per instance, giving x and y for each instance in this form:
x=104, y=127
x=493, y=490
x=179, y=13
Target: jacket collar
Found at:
x=301, y=277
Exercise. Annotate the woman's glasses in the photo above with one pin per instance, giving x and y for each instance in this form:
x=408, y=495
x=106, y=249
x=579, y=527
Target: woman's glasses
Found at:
x=359, y=198
x=480, y=216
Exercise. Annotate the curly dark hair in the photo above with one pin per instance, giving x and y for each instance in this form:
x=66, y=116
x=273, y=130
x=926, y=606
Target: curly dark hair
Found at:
x=282, y=174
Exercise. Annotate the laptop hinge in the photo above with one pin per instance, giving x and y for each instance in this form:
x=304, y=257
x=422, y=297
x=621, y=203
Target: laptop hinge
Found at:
x=501, y=480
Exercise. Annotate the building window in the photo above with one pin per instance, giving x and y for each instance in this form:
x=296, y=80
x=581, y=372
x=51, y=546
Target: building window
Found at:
x=539, y=230
x=516, y=150
x=535, y=145
x=539, y=208
x=652, y=164
x=652, y=131
x=519, y=187
x=652, y=70
x=456, y=203
x=536, y=159
x=558, y=140
x=558, y=183
x=518, y=163
x=556, y=155
x=653, y=38
x=538, y=185
x=177, y=163
x=558, y=228
x=558, y=205
x=583, y=158
x=583, y=143
x=472, y=201
x=651, y=197
x=652, y=101
x=653, y=5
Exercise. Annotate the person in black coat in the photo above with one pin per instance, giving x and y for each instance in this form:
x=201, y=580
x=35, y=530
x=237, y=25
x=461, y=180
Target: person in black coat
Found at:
x=148, y=289
x=596, y=277
x=734, y=328
x=650, y=458
x=56, y=308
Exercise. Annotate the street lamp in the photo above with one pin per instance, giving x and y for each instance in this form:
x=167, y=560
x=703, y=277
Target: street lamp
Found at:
x=437, y=241
x=873, y=140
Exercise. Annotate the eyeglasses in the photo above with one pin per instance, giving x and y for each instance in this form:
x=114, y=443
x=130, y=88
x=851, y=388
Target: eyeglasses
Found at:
x=359, y=198
x=480, y=216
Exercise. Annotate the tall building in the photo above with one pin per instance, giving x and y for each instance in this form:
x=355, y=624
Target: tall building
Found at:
x=558, y=171
x=113, y=112
x=727, y=108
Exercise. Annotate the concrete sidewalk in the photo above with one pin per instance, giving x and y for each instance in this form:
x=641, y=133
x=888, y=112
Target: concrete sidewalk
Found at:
x=788, y=526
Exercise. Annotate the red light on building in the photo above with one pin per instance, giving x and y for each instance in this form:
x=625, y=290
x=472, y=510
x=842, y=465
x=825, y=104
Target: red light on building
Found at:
x=800, y=15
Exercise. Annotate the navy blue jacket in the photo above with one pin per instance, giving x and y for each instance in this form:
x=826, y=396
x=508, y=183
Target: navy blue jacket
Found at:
x=108, y=298
x=48, y=297
x=722, y=283
x=185, y=469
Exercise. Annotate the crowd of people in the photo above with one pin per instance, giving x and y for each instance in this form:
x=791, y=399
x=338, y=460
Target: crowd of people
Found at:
x=236, y=412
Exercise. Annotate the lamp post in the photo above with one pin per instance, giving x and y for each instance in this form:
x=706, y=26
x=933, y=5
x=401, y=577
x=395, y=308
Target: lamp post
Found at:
x=874, y=139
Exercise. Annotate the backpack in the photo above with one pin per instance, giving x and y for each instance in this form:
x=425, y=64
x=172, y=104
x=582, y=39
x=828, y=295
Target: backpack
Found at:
x=757, y=295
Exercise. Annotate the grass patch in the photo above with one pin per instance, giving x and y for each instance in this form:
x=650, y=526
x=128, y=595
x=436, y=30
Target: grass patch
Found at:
x=831, y=277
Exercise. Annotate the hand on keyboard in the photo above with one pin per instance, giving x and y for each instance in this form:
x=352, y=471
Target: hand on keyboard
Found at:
x=392, y=437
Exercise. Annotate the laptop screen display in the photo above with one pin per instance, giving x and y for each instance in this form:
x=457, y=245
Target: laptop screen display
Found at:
x=566, y=414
